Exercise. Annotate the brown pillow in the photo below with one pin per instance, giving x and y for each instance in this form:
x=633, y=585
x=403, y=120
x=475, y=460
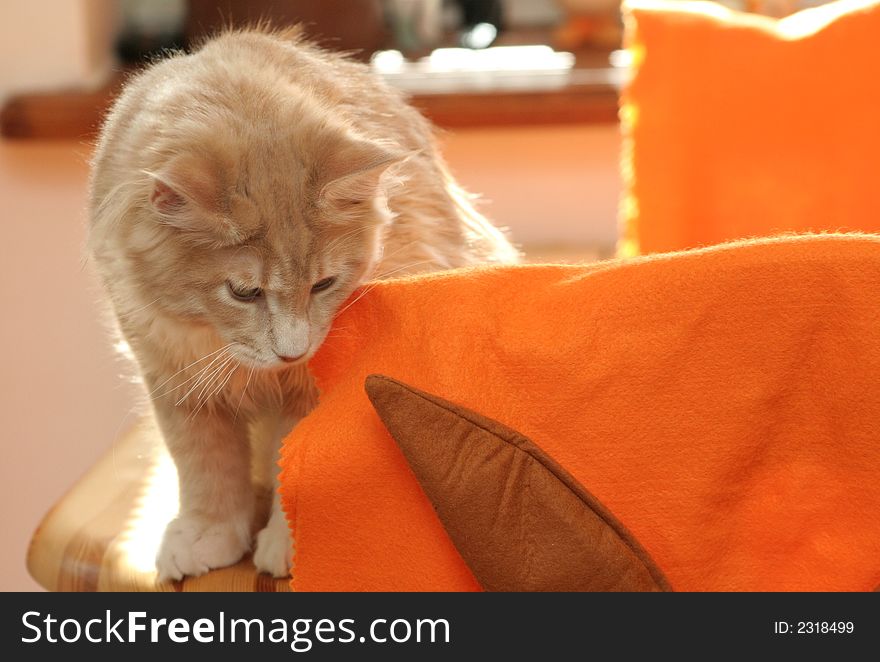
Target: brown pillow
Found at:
x=520, y=521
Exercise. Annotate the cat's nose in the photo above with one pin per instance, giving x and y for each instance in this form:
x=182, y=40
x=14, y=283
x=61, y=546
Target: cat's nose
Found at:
x=290, y=359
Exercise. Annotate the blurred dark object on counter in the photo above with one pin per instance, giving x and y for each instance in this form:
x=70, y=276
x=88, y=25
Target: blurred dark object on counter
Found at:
x=149, y=28
x=343, y=25
x=482, y=22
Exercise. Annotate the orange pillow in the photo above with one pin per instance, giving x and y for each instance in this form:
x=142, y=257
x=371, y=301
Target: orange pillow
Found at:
x=738, y=125
x=721, y=405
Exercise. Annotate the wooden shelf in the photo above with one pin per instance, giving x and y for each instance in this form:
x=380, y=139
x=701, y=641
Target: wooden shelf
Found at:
x=572, y=105
x=591, y=96
x=70, y=114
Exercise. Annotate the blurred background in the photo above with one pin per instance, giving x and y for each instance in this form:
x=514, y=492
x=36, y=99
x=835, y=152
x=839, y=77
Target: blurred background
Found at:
x=524, y=93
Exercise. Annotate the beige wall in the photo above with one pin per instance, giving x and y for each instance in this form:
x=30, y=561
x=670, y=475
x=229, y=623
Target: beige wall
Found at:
x=63, y=399
x=50, y=45
x=549, y=185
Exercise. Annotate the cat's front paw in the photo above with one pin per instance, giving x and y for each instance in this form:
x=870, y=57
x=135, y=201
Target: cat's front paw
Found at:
x=193, y=546
x=274, y=549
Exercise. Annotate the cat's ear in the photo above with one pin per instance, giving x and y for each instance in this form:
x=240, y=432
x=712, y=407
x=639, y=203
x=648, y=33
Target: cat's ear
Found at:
x=189, y=193
x=352, y=170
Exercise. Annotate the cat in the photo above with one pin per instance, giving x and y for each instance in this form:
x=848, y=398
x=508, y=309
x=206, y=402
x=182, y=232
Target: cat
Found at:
x=239, y=195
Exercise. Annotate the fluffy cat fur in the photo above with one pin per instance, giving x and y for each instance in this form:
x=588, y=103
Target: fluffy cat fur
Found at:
x=227, y=187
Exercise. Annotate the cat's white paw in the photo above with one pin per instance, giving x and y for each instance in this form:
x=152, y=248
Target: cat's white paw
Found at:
x=192, y=546
x=274, y=549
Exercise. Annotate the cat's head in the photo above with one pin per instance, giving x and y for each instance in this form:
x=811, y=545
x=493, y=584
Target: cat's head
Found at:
x=260, y=237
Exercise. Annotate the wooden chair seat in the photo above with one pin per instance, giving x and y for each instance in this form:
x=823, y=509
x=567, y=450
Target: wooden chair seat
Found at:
x=104, y=533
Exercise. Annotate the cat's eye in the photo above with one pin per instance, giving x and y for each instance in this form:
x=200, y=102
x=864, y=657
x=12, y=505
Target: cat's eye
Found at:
x=246, y=294
x=323, y=284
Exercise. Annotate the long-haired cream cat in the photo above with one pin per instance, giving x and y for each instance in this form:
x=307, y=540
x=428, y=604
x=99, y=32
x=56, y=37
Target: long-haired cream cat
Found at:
x=239, y=196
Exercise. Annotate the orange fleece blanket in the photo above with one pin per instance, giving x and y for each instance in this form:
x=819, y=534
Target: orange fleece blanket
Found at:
x=722, y=404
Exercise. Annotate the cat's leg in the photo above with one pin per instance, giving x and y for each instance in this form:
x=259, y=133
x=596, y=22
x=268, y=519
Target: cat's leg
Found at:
x=213, y=525
x=274, y=547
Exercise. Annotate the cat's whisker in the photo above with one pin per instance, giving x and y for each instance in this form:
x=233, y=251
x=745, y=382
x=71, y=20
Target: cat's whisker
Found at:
x=338, y=336
x=206, y=356
x=204, y=377
x=243, y=392
x=206, y=373
x=373, y=284
x=334, y=333
x=397, y=250
x=404, y=267
x=128, y=313
x=198, y=377
x=223, y=380
x=335, y=330
x=351, y=303
x=215, y=377
x=222, y=386
x=201, y=401
x=342, y=238
x=348, y=235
